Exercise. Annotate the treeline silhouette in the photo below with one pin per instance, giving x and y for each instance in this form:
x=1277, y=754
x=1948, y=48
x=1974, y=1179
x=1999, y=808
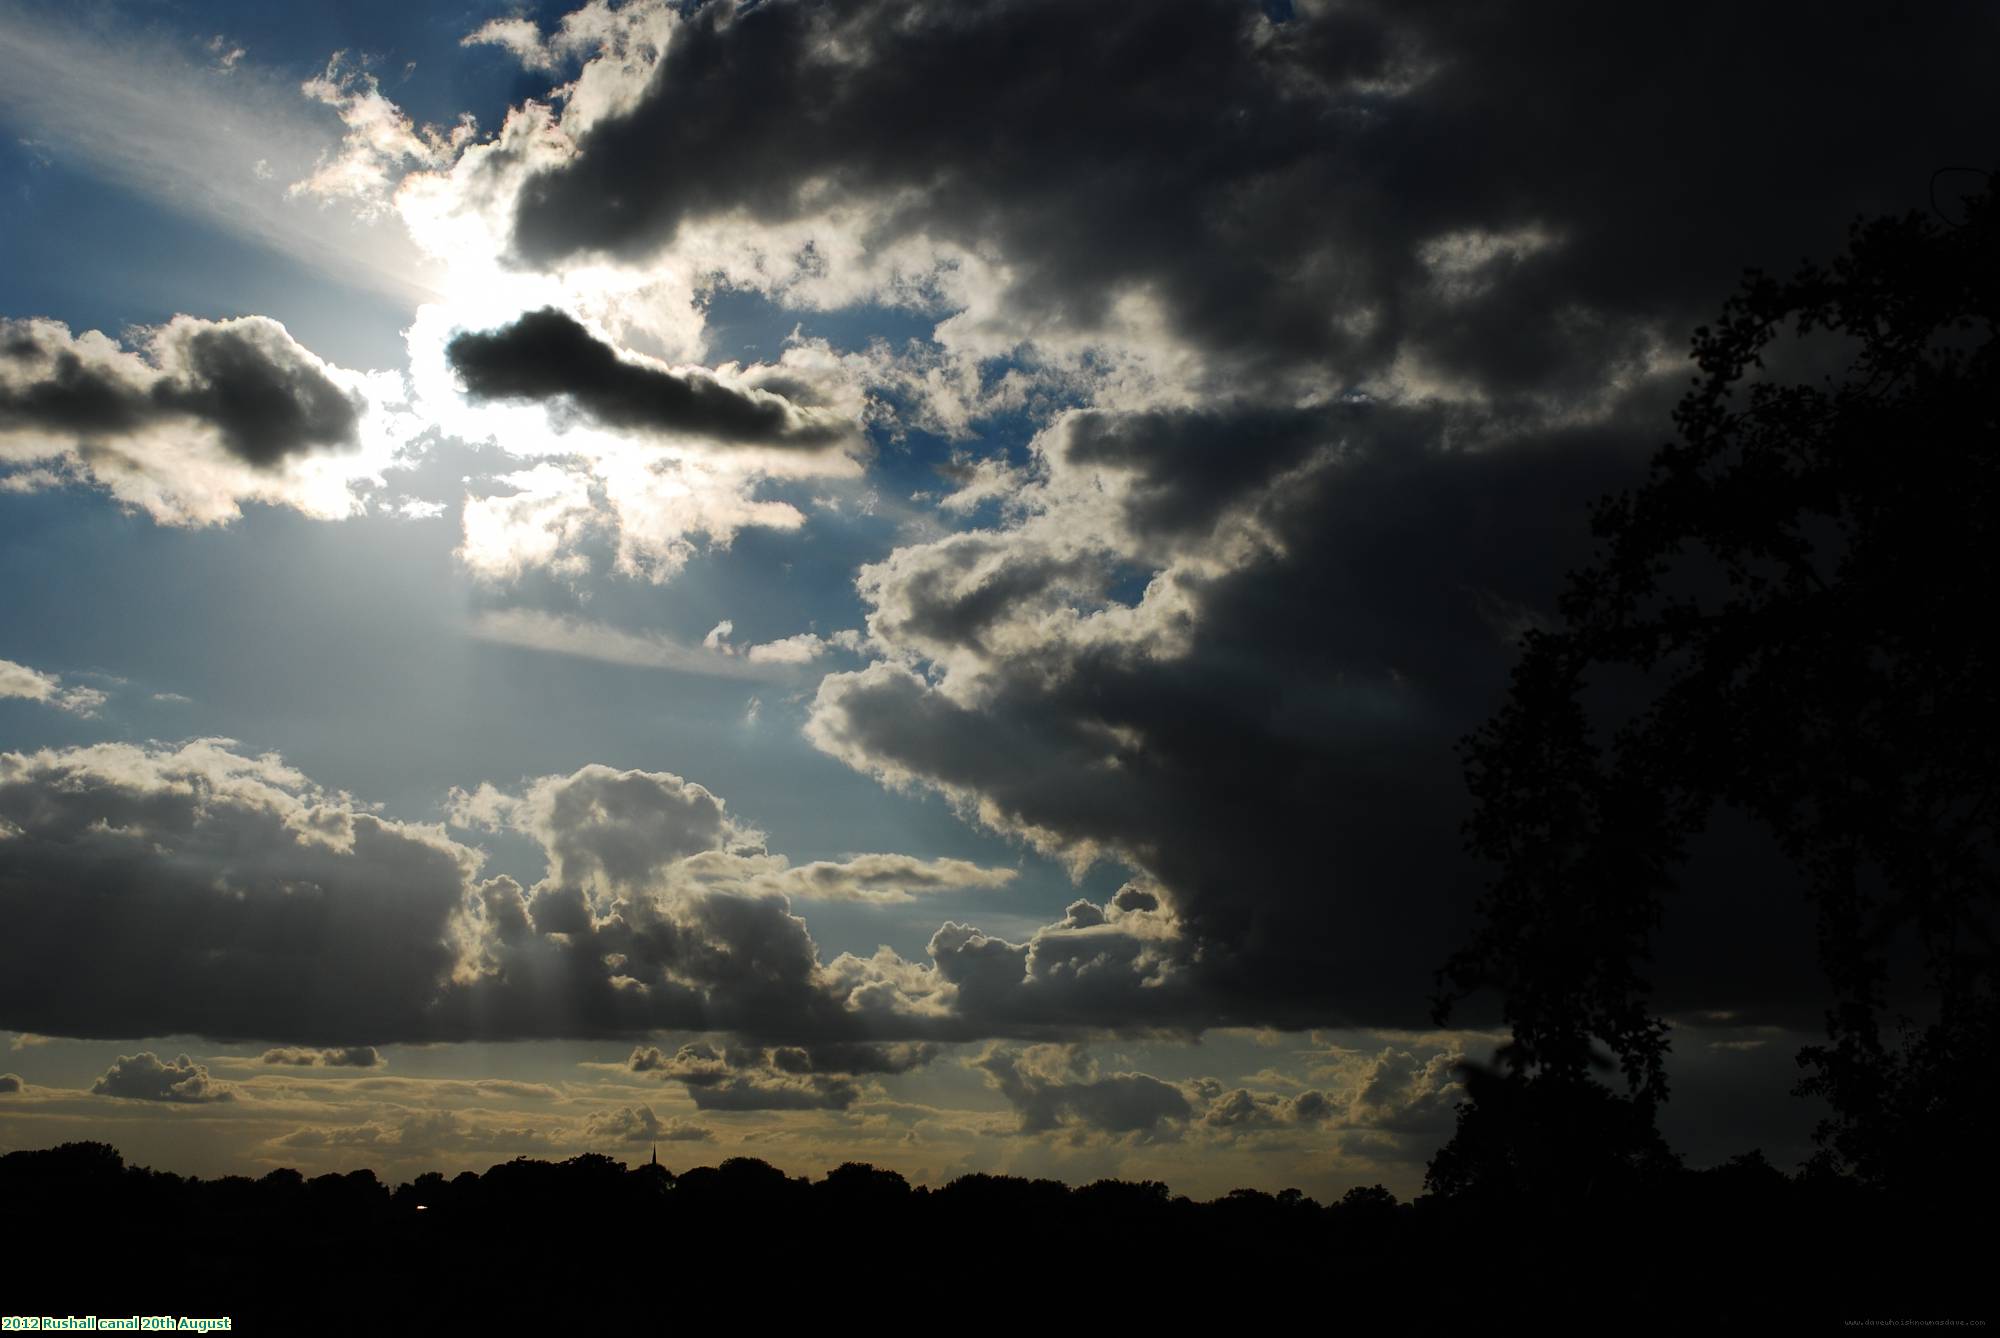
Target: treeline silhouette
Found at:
x=586, y=1241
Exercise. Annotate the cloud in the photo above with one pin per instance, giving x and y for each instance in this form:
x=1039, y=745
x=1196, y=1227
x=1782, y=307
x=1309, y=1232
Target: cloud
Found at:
x=1320, y=369
x=431, y=1090
x=263, y=395
x=424, y=1133
x=156, y=890
x=654, y=502
x=791, y=1077
x=349, y=1057
x=18, y=680
x=1067, y=200
x=150, y=891
x=207, y=415
x=609, y=830
x=1110, y=965
x=801, y=648
x=548, y=355
x=638, y=1124
x=1260, y=724
x=1387, y=1094
x=885, y=878
x=699, y=1062
x=1051, y=1088
x=153, y=891
x=145, y=1077
x=744, y=1080
x=651, y=872
x=764, y=1092
x=1392, y=1096
x=1240, y=1110
x=583, y=638
x=1398, y=1092
x=1323, y=386
x=518, y=36
x=380, y=143
x=540, y=523
x=188, y=128
x=632, y=30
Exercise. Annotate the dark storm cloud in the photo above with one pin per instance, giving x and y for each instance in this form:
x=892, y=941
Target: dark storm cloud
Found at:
x=704, y=961
x=151, y=893
x=68, y=397
x=851, y=1057
x=1478, y=234
x=266, y=403
x=1078, y=158
x=1271, y=184
x=1290, y=779
x=146, y=891
x=263, y=395
x=548, y=355
x=1189, y=467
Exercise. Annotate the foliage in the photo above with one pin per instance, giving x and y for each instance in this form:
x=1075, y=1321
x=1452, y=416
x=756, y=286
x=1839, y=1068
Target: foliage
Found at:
x=1805, y=584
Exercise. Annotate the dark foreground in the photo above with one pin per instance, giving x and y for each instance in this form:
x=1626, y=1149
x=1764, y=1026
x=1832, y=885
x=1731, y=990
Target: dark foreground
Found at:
x=566, y=1247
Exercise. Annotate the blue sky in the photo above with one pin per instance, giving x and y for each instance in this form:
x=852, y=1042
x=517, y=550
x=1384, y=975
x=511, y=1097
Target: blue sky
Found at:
x=363, y=625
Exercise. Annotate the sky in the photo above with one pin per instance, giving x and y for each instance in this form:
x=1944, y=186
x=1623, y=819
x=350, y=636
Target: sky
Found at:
x=849, y=581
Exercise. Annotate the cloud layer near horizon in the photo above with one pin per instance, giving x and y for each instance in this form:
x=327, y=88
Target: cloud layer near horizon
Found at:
x=194, y=890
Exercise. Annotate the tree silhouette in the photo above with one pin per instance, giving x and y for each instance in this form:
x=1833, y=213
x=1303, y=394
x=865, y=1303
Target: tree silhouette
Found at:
x=585, y=1243
x=1805, y=584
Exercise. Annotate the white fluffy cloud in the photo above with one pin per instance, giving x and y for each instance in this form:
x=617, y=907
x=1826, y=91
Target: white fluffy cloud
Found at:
x=611, y=834
x=380, y=143
x=626, y=34
x=18, y=680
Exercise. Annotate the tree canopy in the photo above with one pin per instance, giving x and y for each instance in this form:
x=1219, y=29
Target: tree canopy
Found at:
x=1805, y=584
